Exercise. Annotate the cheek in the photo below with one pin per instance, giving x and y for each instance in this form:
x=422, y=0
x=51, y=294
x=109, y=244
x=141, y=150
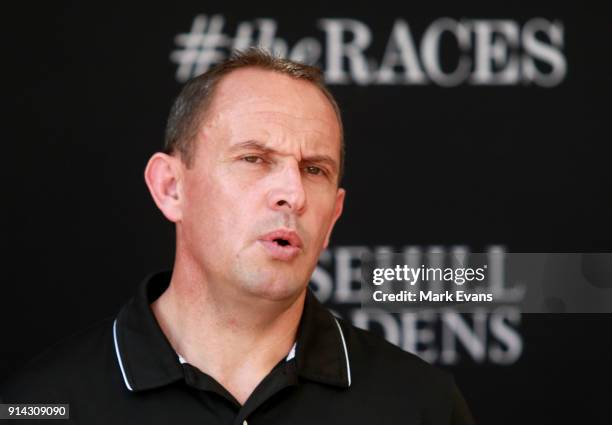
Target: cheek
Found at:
x=321, y=215
x=217, y=210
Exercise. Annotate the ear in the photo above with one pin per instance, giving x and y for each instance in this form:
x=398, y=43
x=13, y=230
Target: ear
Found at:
x=338, y=207
x=163, y=177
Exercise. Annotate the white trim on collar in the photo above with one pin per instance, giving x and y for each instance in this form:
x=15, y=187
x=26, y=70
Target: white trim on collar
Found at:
x=291, y=352
x=127, y=384
x=348, y=365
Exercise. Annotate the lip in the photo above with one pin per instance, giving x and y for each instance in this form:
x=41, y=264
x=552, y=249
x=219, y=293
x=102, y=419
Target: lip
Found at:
x=279, y=252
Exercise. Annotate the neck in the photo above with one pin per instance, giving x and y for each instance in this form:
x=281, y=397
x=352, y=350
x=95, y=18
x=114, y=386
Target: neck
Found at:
x=235, y=340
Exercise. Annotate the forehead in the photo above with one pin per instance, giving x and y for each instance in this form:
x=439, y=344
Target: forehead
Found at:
x=269, y=103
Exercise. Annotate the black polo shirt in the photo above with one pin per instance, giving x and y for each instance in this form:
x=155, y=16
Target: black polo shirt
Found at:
x=124, y=371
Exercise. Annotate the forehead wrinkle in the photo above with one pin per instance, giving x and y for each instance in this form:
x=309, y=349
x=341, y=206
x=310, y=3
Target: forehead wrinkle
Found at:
x=284, y=130
x=224, y=120
x=274, y=116
x=278, y=116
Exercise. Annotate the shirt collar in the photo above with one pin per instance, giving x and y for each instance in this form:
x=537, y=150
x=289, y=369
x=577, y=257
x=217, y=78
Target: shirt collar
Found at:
x=145, y=357
x=147, y=360
x=321, y=352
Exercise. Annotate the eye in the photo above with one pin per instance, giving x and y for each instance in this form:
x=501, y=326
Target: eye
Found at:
x=252, y=159
x=311, y=169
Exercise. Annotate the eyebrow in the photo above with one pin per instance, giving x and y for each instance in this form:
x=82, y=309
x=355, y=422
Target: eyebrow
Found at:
x=251, y=144
x=260, y=147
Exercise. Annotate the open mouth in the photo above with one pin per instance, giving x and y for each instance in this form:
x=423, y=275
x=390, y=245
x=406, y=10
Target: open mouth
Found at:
x=284, y=238
x=282, y=242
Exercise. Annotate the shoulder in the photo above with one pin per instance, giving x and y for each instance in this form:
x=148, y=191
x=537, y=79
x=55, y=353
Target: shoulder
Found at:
x=391, y=375
x=62, y=369
x=371, y=352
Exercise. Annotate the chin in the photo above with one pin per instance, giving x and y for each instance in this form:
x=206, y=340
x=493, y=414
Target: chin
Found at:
x=261, y=277
x=274, y=288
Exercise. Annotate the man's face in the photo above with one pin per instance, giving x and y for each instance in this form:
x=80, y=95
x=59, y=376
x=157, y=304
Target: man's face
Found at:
x=262, y=196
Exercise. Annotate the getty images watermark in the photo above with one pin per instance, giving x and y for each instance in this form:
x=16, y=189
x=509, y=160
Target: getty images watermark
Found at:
x=468, y=282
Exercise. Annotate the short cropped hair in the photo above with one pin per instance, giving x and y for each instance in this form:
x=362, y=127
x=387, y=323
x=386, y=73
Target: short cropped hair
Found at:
x=190, y=107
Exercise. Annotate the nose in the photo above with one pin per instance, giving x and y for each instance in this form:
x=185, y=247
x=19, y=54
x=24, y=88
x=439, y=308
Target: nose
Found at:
x=287, y=191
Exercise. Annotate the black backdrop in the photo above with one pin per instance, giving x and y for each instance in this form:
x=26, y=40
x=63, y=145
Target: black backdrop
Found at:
x=480, y=164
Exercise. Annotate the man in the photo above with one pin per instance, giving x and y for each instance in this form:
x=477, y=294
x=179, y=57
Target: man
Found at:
x=250, y=176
